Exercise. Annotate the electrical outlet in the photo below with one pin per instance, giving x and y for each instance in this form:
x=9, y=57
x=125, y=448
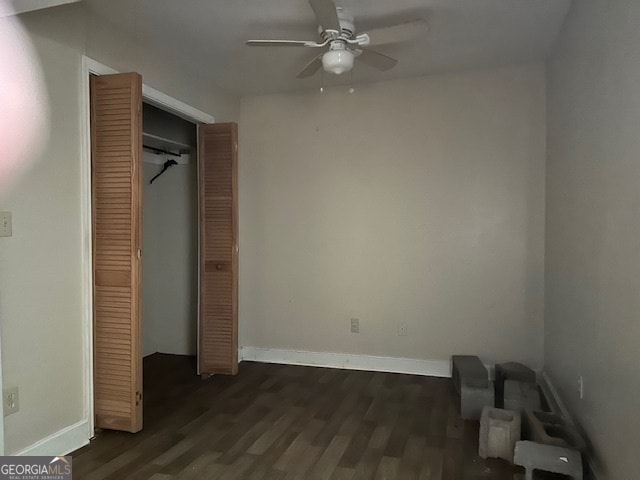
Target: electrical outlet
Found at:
x=355, y=325
x=5, y=224
x=11, y=400
x=581, y=387
x=402, y=329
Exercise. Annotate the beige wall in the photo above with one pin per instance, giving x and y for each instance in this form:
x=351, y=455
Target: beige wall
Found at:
x=593, y=227
x=40, y=266
x=417, y=201
x=170, y=260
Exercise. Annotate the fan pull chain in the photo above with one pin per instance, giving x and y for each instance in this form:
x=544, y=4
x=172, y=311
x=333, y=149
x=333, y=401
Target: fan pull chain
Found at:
x=351, y=89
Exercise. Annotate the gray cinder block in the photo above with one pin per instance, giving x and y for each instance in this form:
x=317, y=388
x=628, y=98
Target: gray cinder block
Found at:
x=499, y=432
x=511, y=371
x=551, y=429
x=548, y=458
x=471, y=379
x=468, y=367
x=519, y=396
x=474, y=396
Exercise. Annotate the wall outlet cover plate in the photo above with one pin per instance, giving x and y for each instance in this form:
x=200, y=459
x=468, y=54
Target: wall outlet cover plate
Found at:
x=5, y=224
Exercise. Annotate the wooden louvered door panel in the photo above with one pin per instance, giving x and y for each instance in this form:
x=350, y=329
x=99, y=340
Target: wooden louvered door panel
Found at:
x=116, y=153
x=218, y=190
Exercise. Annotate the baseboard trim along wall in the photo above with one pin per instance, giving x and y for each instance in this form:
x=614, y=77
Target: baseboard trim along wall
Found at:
x=413, y=366
x=560, y=407
x=61, y=442
x=552, y=394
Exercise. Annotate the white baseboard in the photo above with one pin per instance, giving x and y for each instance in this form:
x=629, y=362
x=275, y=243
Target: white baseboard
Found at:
x=60, y=443
x=551, y=393
x=413, y=366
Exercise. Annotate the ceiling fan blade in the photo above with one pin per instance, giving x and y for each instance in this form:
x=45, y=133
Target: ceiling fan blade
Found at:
x=282, y=43
x=326, y=14
x=376, y=60
x=398, y=33
x=311, y=68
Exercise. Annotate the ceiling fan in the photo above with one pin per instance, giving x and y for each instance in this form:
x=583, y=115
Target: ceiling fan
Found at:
x=340, y=44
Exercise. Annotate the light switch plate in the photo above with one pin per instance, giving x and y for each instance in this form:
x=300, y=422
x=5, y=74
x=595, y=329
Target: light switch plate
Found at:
x=5, y=224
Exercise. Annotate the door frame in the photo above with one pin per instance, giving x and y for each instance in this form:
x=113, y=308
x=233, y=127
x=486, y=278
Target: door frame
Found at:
x=153, y=97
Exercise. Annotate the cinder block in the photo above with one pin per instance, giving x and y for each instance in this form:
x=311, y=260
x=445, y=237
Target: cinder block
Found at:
x=519, y=396
x=468, y=367
x=551, y=429
x=499, y=432
x=474, y=396
x=511, y=371
x=548, y=458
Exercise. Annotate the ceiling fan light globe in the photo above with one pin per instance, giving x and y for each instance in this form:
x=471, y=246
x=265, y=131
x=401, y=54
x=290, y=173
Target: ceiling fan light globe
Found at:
x=337, y=61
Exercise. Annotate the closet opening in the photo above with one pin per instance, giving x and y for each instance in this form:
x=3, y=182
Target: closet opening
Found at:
x=169, y=251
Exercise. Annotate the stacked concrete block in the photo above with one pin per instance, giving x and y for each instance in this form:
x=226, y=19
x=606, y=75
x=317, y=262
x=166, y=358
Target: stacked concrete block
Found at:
x=471, y=380
x=499, y=432
x=511, y=371
x=551, y=429
x=548, y=458
x=520, y=396
x=467, y=367
x=474, y=396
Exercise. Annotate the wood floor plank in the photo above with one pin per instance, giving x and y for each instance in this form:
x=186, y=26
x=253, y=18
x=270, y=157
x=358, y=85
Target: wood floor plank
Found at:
x=300, y=450
x=197, y=467
x=412, y=459
x=357, y=446
x=368, y=464
x=388, y=468
x=279, y=427
x=341, y=473
x=432, y=464
x=398, y=438
x=239, y=468
x=110, y=467
x=285, y=422
x=326, y=464
x=380, y=437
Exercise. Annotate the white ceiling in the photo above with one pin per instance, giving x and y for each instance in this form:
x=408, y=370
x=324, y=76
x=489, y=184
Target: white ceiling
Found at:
x=209, y=35
x=13, y=7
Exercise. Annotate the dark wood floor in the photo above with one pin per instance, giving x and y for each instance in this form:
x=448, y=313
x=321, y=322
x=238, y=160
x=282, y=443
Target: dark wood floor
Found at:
x=282, y=422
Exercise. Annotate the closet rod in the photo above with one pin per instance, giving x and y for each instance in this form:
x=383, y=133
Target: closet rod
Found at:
x=160, y=150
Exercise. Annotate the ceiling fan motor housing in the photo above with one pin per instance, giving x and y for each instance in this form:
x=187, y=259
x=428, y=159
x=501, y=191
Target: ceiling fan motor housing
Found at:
x=347, y=27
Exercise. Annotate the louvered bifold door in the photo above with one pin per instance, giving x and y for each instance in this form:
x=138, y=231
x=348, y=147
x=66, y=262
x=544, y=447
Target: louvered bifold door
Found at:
x=116, y=152
x=218, y=187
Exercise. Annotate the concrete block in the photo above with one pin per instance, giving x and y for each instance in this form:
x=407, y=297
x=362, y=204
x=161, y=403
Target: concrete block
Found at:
x=474, y=396
x=552, y=429
x=548, y=458
x=519, y=396
x=511, y=371
x=468, y=367
x=499, y=432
